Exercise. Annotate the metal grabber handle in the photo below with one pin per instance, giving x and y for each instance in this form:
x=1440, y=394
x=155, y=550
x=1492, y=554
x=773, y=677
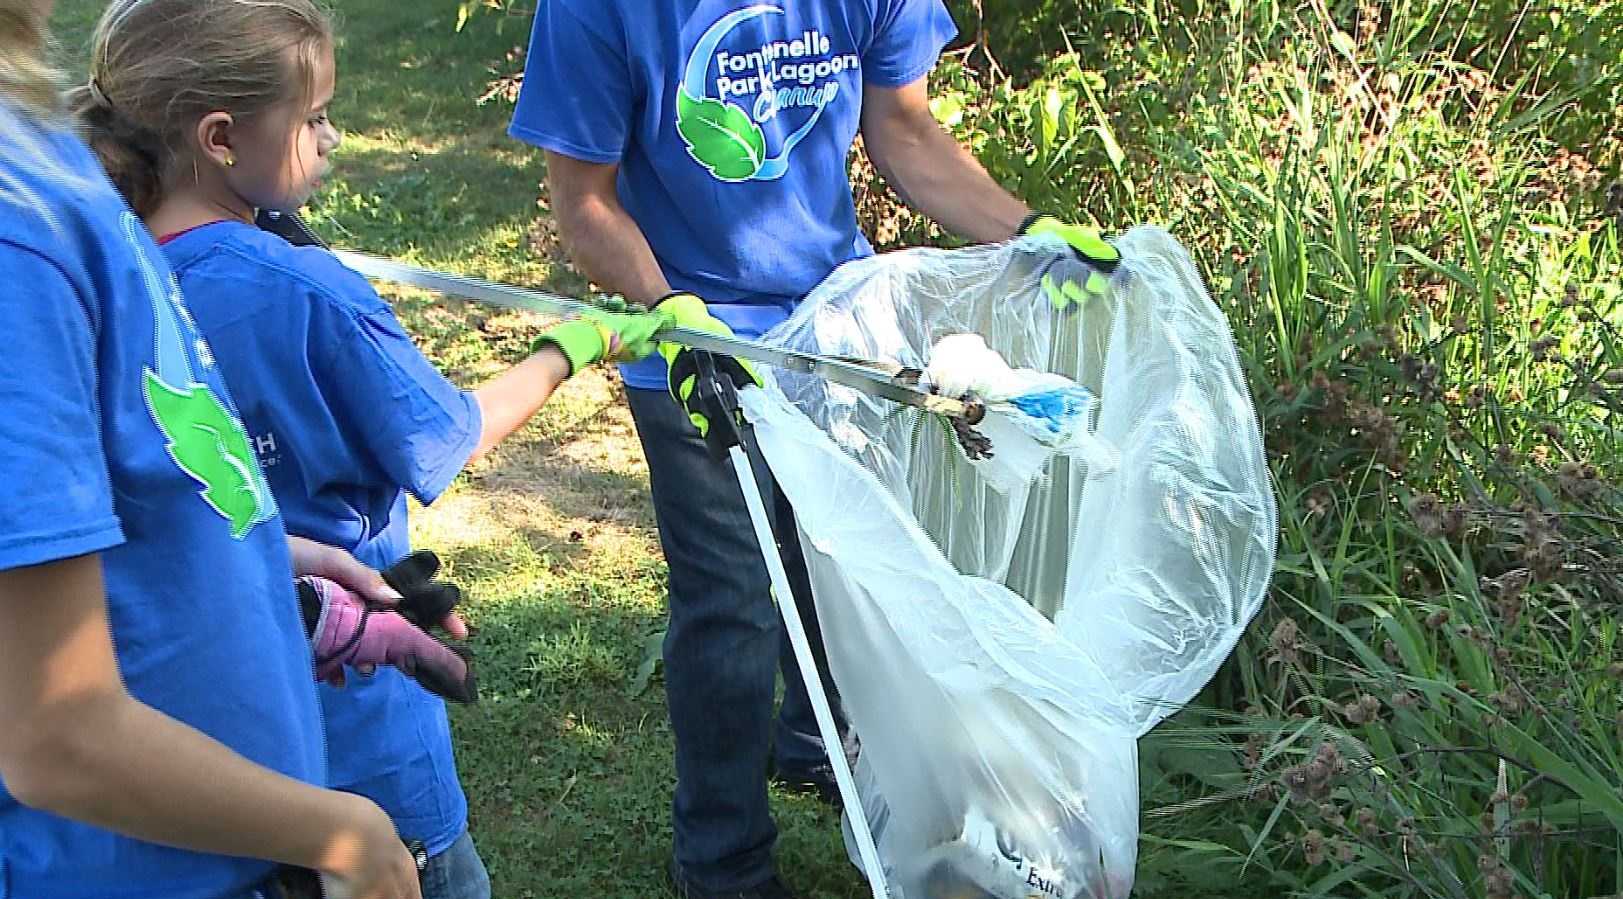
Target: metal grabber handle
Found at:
x=728, y=435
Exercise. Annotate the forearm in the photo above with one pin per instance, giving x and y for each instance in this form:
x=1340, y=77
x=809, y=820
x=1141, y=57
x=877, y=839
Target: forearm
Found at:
x=606, y=243
x=76, y=744
x=935, y=175
x=126, y=767
x=512, y=397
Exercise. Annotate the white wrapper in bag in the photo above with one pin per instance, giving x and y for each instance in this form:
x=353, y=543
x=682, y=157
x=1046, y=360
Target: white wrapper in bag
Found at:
x=1003, y=631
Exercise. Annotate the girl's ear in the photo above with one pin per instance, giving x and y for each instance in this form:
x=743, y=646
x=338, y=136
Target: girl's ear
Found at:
x=213, y=138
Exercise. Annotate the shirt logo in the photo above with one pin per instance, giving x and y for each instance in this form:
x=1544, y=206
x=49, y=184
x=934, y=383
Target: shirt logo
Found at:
x=782, y=75
x=206, y=441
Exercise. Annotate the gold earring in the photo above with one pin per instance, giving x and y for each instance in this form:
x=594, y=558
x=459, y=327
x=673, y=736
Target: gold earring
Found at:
x=230, y=161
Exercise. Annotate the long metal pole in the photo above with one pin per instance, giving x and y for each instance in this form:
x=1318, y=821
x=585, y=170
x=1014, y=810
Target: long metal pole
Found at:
x=790, y=612
x=867, y=377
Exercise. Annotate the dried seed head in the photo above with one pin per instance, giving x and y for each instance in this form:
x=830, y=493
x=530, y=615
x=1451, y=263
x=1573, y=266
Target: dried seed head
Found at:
x=1508, y=586
x=1454, y=519
x=1285, y=641
x=1345, y=850
x=1313, y=847
x=1427, y=511
x=1369, y=708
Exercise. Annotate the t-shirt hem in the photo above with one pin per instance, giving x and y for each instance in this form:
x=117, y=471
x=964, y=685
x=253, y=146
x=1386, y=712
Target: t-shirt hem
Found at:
x=37, y=549
x=447, y=839
x=559, y=145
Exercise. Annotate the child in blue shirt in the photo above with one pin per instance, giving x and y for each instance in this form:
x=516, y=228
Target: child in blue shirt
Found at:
x=205, y=113
x=161, y=736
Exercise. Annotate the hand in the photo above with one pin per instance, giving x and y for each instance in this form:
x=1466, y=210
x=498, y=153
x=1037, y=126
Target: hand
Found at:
x=370, y=861
x=1099, y=256
x=603, y=335
x=688, y=311
x=334, y=564
x=346, y=630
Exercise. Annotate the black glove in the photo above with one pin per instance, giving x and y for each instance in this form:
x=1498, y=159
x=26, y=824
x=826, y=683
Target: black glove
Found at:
x=425, y=601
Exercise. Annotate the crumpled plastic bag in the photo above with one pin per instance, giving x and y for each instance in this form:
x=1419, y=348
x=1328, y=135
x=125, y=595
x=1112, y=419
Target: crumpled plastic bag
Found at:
x=1003, y=630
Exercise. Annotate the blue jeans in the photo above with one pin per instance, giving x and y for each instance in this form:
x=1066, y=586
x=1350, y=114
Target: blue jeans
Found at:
x=457, y=873
x=723, y=650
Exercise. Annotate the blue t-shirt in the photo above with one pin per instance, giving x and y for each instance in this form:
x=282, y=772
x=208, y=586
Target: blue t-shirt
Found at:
x=119, y=437
x=731, y=122
x=347, y=416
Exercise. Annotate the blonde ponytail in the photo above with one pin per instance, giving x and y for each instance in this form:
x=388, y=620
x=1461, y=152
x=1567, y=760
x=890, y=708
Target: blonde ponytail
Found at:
x=159, y=66
x=26, y=78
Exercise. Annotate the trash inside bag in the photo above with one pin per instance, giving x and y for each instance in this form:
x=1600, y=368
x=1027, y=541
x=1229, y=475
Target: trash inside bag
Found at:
x=1003, y=629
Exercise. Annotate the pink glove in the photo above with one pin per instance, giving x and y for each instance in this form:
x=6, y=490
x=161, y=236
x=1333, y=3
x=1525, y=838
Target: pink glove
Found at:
x=346, y=630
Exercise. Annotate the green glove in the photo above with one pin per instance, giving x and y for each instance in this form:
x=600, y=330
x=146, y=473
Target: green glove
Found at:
x=1085, y=242
x=688, y=311
x=587, y=339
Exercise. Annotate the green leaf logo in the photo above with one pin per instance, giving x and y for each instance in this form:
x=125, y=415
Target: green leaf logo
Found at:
x=210, y=446
x=720, y=136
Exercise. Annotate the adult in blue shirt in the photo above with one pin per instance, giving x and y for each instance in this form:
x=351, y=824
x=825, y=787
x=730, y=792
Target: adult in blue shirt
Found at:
x=697, y=148
x=161, y=736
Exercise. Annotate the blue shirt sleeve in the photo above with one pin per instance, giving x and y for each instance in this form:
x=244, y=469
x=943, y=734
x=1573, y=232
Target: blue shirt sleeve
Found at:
x=56, y=498
x=389, y=402
x=909, y=36
x=578, y=96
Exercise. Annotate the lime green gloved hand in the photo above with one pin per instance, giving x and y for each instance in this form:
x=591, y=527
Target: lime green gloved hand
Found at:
x=688, y=311
x=1100, y=257
x=604, y=336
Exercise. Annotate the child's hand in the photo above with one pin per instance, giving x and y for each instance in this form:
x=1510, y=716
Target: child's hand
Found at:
x=604, y=336
x=334, y=564
x=346, y=630
x=633, y=333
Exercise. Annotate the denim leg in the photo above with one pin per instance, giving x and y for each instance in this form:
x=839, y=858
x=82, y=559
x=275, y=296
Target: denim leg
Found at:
x=457, y=873
x=797, y=743
x=721, y=653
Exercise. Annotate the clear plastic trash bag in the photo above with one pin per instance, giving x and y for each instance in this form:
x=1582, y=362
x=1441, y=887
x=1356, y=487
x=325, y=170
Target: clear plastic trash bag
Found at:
x=1003, y=631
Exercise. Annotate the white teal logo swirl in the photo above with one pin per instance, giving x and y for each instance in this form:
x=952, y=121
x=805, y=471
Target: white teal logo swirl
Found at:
x=796, y=73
